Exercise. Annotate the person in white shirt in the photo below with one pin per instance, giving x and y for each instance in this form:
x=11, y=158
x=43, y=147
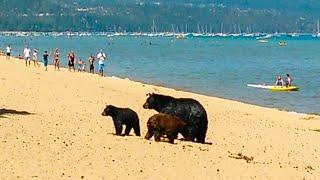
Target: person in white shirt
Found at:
x=101, y=56
x=26, y=53
x=8, y=52
x=35, y=57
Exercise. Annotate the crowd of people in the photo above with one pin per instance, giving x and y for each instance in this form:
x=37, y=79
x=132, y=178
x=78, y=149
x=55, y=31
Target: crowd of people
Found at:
x=32, y=55
x=101, y=57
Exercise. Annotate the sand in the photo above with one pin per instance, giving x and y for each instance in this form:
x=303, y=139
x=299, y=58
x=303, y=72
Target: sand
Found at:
x=65, y=136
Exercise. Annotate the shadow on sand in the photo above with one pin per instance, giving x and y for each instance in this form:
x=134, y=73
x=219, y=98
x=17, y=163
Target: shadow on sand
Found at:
x=12, y=111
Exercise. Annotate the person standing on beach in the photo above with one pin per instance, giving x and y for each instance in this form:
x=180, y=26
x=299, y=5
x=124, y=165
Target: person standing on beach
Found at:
x=56, y=59
x=80, y=62
x=71, y=58
x=26, y=53
x=35, y=57
x=83, y=68
x=91, y=63
x=101, y=56
x=8, y=52
x=45, y=59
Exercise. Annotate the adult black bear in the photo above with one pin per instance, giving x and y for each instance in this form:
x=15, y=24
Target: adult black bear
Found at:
x=123, y=116
x=165, y=124
x=188, y=110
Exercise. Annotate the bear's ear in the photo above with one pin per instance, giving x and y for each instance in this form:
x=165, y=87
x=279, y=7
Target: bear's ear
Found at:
x=108, y=106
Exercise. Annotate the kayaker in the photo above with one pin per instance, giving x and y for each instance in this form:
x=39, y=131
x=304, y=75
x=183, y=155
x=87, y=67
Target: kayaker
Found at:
x=279, y=81
x=288, y=80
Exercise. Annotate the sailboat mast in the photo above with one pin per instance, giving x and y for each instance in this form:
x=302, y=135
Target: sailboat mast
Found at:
x=186, y=28
x=173, y=30
x=221, y=28
x=152, y=26
x=155, y=28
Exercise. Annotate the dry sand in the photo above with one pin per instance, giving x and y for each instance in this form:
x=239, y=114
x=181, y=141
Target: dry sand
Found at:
x=65, y=136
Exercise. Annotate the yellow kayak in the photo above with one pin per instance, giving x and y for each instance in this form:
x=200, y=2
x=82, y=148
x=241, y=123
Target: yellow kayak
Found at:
x=284, y=88
x=275, y=88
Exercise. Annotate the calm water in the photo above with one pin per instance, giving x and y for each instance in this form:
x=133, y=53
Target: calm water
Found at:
x=214, y=66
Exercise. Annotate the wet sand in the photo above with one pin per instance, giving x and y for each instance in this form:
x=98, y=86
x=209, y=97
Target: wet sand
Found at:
x=51, y=128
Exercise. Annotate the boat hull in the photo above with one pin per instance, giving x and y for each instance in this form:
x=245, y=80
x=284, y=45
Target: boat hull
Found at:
x=275, y=88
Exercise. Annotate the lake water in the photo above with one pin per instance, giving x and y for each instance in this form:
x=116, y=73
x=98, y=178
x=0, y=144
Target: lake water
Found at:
x=213, y=66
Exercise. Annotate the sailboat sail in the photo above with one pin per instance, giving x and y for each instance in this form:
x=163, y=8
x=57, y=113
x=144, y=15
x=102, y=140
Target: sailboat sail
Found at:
x=318, y=29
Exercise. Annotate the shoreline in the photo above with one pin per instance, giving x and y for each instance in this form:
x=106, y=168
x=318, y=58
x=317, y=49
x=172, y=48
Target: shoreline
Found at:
x=79, y=33
x=65, y=68
x=208, y=95
x=65, y=136
x=231, y=87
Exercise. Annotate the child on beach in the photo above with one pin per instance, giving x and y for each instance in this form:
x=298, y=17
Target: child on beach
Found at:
x=80, y=65
x=35, y=57
x=83, y=68
x=20, y=56
x=101, y=56
x=45, y=59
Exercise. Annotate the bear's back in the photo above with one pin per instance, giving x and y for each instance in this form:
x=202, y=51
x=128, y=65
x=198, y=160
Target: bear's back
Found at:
x=167, y=121
x=126, y=114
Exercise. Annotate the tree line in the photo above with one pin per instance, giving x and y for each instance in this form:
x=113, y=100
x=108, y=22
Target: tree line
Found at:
x=96, y=16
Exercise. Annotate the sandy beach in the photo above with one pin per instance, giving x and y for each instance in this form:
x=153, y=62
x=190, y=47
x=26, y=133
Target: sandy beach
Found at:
x=51, y=128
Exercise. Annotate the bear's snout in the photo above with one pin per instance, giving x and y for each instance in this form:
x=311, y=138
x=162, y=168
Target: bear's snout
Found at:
x=145, y=105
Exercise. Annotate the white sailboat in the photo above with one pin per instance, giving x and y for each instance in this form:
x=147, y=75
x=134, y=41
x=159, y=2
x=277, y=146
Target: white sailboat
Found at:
x=221, y=34
x=317, y=34
x=154, y=30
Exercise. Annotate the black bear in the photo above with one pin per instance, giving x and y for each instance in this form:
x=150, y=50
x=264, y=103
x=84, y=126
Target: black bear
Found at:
x=164, y=124
x=188, y=110
x=123, y=116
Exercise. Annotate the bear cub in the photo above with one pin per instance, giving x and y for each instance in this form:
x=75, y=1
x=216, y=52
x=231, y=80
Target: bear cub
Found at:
x=160, y=125
x=123, y=116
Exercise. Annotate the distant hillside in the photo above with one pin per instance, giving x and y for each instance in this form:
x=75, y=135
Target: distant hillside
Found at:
x=231, y=16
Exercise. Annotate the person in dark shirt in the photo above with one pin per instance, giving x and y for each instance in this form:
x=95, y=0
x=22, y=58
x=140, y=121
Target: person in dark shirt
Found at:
x=45, y=59
x=91, y=63
x=288, y=80
x=71, y=59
